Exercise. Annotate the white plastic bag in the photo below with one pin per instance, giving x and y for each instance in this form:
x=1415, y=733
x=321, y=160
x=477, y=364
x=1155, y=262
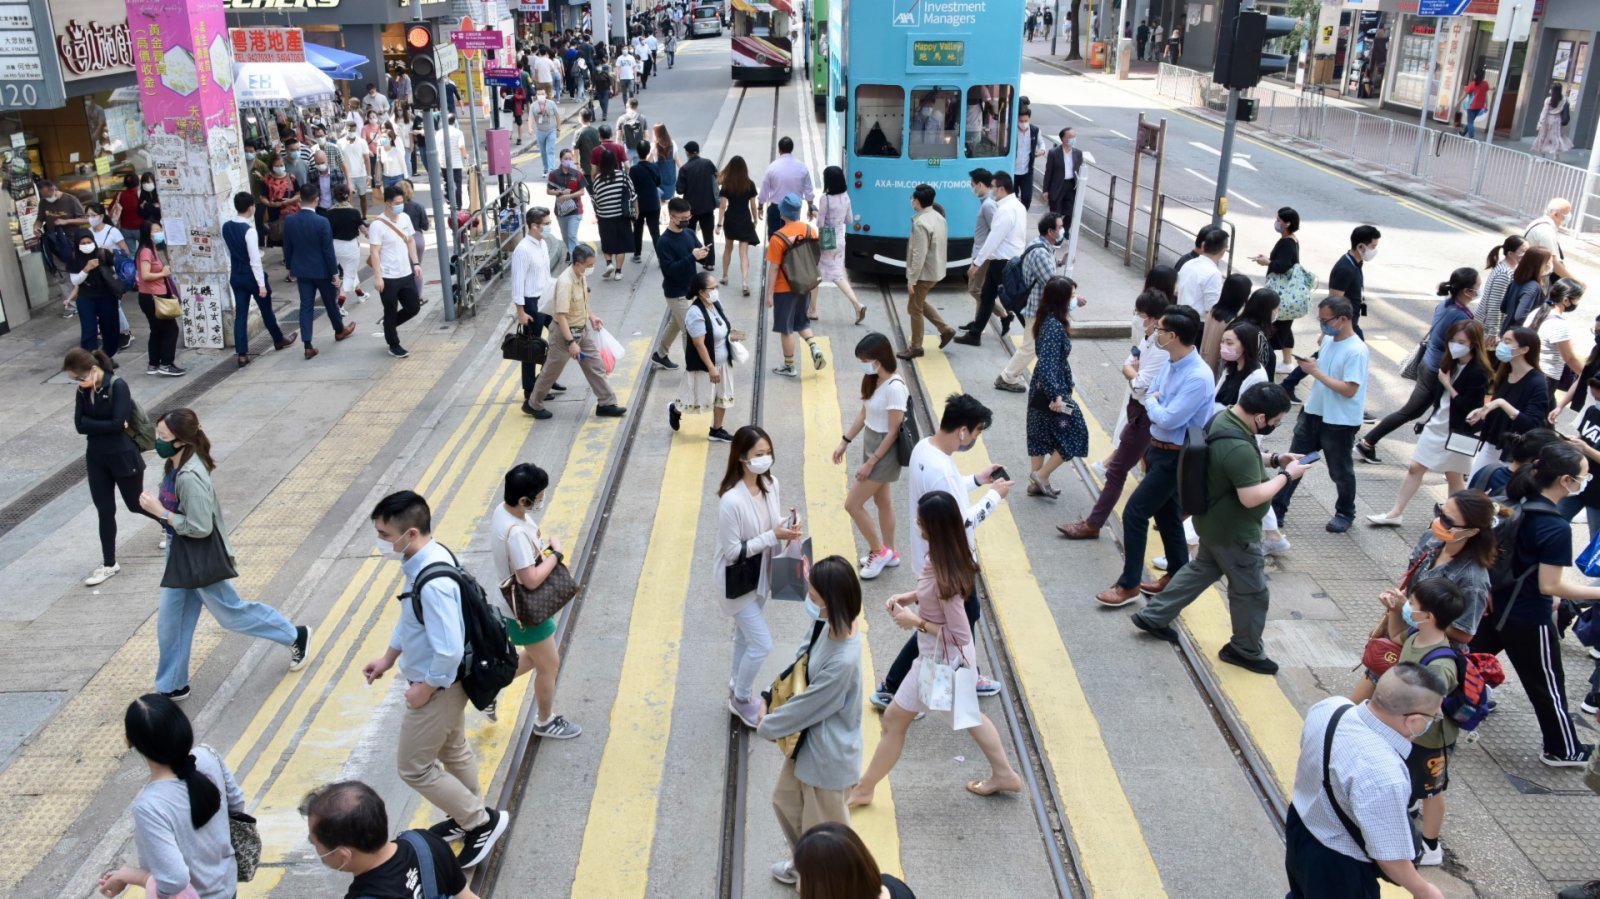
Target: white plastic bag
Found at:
x=741, y=353
x=611, y=349
x=964, y=709
x=935, y=685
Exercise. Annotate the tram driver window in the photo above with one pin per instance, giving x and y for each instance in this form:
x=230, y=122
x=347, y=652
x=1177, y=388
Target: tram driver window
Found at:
x=880, y=120
x=988, y=111
x=935, y=124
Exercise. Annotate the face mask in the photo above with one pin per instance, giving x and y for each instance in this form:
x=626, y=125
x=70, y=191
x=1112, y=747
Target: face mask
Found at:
x=813, y=611
x=398, y=208
x=1459, y=350
x=147, y=187
x=1583, y=483
x=869, y=368
x=1329, y=329
x=1405, y=615
x=1138, y=327
x=759, y=464
x=160, y=239
x=279, y=170
x=322, y=167
x=1265, y=428
x=86, y=248
x=568, y=164
x=1442, y=533
x=1072, y=142
x=383, y=142
x=94, y=221
x=1369, y=253
x=967, y=447
x=166, y=449
x=1504, y=352
x=537, y=505
x=1277, y=226
x=1229, y=353
x=388, y=551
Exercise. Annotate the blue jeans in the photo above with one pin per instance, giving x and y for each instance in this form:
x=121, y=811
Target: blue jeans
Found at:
x=1471, y=117
x=1155, y=497
x=309, y=289
x=98, y=315
x=180, y=612
x=1336, y=443
x=242, y=295
x=569, y=230
x=391, y=180
x=547, y=149
x=1570, y=507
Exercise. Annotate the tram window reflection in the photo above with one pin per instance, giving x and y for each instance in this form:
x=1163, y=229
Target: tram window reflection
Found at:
x=880, y=120
x=935, y=127
x=988, y=111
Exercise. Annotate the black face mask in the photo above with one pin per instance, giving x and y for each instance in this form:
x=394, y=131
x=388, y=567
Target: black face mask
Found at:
x=1263, y=430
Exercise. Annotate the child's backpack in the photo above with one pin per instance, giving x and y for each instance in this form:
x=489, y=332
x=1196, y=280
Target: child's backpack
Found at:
x=1477, y=674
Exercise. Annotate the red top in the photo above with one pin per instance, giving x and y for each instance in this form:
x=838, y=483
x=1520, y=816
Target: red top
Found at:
x=129, y=218
x=1480, y=95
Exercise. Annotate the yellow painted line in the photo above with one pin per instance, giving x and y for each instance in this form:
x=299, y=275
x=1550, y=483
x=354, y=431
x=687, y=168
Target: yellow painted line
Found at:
x=1397, y=353
x=1116, y=858
x=832, y=533
x=614, y=860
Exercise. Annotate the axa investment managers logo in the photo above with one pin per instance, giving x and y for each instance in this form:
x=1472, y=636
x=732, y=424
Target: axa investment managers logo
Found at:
x=907, y=13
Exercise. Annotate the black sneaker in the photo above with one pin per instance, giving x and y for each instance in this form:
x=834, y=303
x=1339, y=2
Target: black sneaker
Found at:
x=1338, y=524
x=557, y=388
x=447, y=830
x=173, y=371
x=660, y=361
x=1577, y=760
x=152, y=370
x=1233, y=657
x=398, y=351
x=297, y=652
x=674, y=417
x=178, y=695
x=476, y=843
x=718, y=435
x=1368, y=418
x=127, y=340
x=610, y=410
x=1155, y=630
x=1367, y=452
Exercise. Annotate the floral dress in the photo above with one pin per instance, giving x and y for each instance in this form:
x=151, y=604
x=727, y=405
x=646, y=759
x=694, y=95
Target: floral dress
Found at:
x=1048, y=431
x=833, y=211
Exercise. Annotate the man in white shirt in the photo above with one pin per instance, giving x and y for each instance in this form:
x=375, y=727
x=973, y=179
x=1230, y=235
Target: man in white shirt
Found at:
x=375, y=101
x=530, y=292
x=458, y=156
x=1545, y=232
x=544, y=73
x=396, y=269
x=1026, y=151
x=1200, y=281
x=1007, y=233
x=626, y=65
x=355, y=153
x=932, y=468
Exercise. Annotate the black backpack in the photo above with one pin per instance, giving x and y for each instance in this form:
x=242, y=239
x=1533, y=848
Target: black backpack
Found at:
x=1014, y=284
x=1505, y=582
x=1194, y=466
x=632, y=133
x=490, y=661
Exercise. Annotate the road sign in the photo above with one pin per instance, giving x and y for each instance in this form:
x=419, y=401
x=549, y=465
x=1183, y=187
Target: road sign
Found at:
x=30, y=70
x=501, y=76
x=1442, y=7
x=1514, y=18
x=449, y=59
x=478, y=40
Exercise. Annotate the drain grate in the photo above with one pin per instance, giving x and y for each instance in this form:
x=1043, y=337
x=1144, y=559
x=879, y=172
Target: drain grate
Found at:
x=67, y=476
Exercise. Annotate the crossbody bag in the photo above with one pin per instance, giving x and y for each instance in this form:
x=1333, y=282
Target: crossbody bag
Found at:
x=1327, y=788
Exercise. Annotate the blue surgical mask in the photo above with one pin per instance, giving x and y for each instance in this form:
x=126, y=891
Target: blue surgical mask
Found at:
x=160, y=239
x=813, y=611
x=1072, y=142
x=399, y=208
x=1405, y=615
x=1504, y=352
x=1329, y=329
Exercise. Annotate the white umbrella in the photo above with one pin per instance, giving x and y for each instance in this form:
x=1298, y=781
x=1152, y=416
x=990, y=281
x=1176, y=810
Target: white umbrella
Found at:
x=263, y=84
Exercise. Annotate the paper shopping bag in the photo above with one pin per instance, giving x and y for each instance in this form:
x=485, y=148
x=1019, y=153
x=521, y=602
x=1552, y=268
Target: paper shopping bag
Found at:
x=965, y=701
x=791, y=571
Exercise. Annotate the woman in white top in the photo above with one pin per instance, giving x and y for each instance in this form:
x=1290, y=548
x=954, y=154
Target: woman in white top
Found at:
x=109, y=238
x=707, y=383
x=520, y=550
x=885, y=399
x=749, y=524
x=1556, y=352
x=391, y=156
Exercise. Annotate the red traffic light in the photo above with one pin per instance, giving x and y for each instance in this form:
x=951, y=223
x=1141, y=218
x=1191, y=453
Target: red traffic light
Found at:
x=419, y=36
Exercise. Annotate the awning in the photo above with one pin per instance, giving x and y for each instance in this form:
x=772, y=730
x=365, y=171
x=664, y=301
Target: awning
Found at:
x=263, y=84
x=335, y=63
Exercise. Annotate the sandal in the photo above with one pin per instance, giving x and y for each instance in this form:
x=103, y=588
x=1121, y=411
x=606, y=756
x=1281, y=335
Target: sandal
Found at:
x=744, y=290
x=861, y=314
x=724, y=280
x=1039, y=488
x=977, y=787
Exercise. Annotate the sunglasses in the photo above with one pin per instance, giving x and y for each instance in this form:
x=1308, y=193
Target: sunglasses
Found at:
x=1438, y=512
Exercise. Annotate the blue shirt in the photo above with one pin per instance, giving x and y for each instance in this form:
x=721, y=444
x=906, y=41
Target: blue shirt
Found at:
x=431, y=649
x=1445, y=316
x=1341, y=360
x=1180, y=398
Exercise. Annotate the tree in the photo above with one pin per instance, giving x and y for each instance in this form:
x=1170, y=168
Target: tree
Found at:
x=1072, y=17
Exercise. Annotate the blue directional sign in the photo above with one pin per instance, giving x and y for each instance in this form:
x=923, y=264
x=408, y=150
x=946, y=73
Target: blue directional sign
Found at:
x=1442, y=7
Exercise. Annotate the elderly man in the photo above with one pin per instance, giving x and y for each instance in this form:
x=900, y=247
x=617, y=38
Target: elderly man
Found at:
x=1545, y=232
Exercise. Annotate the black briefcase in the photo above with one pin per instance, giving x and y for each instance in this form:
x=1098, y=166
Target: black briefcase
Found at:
x=520, y=346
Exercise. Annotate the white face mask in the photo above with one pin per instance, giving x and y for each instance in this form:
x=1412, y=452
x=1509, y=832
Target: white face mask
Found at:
x=869, y=368
x=388, y=550
x=759, y=464
x=1369, y=253
x=94, y=221
x=1459, y=350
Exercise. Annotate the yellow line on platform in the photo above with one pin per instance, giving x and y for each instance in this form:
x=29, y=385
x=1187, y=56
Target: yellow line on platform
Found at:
x=1115, y=856
x=614, y=860
x=832, y=533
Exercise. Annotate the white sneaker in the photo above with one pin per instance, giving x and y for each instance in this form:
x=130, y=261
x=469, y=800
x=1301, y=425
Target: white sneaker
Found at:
x=1099, y=469
x=101, y=575
x=1385, y=521
x=874, y=565
x=610, y=269
x=894, y=562
x=987, y=687
x=1274, y=546
x=1434, y=856
x=783, y=872
x=162, y=544
x=1159, y=563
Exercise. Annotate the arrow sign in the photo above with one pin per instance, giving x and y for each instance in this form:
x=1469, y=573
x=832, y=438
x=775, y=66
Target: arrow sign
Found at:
x=1242, y=159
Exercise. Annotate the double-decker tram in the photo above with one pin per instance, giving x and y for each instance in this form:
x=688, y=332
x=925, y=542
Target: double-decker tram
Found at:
x=924, y=96
x=763, y=49
x=817, y=52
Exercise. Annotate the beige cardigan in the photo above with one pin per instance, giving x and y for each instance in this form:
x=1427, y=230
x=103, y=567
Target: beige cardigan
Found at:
x=739, y=528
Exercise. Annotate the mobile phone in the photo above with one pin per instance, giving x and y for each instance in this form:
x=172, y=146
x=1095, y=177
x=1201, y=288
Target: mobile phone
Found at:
x=1311, y=458
x=1135, y=351
x=1000, y=474
x=1298, y=357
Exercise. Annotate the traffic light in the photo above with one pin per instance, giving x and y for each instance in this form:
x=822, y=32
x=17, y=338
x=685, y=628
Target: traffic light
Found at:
x=1251, y=33
x=425, y=87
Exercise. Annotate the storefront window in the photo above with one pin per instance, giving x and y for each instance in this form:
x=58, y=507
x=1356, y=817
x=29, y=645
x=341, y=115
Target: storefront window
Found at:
x=988, y=110
x=1411, y=61
x=935, y=123
x=880, y=120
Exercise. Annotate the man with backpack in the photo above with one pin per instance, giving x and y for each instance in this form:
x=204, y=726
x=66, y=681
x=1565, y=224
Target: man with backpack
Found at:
x=1007, y=230
x=1224, y=483
x=633, y=128
x=925, y=265
x=350, y=833
x=1034, y=267
x=431, y=641
x=792, y=274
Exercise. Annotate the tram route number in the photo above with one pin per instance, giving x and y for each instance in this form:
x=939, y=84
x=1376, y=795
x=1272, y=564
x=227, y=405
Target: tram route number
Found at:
x=939, y=53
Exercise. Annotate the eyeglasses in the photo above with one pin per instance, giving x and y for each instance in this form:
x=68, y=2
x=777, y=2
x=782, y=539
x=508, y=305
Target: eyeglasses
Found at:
x=1161, y=330
x=1446, y=520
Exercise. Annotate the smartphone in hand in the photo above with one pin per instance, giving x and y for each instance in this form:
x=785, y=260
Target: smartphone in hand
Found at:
x=1000, y=475
x=1311, y=458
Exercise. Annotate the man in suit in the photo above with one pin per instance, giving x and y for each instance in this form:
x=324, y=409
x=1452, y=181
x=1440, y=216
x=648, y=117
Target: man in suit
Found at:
x=308, y=254
x=1027, y=150
x=697, y=183
x=1061, y=167
x=1141, y=38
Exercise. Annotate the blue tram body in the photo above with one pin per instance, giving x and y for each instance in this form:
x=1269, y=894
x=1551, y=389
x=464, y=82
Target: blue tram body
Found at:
x=921, y=92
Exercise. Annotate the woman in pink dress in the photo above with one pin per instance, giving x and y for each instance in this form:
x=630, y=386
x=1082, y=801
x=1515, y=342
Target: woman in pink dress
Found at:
x=833, y=211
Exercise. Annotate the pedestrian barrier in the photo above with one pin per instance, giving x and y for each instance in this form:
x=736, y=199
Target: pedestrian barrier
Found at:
x=1105, y=219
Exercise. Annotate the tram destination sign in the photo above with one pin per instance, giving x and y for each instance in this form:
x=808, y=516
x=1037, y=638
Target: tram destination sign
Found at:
x=938, y=53
x=30, y=70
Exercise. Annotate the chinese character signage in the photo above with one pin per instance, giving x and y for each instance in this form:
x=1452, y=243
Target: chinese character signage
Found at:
x=938, y=53
x=91, y=38
x=267, y=44
x=30, y=76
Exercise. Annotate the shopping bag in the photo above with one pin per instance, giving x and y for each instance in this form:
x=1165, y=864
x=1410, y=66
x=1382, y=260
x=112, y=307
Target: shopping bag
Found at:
x=791, y=571
x=611, y=349
x=936, y=685
x=965, y=701
x=1589, y=559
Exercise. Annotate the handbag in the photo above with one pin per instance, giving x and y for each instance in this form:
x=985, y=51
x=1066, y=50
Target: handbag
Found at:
x=194, y=562
x=1463, y=444
x=908, y=438
x=533, y=607
x=1413, y=365
x=936, y=683
x=790, y=576
x=791, y=683
x=167, y=307
x=1294, y=289
x=246, y=841
x=827, y=235
x=1380, y=654
x=519, y=345
x=743, y=575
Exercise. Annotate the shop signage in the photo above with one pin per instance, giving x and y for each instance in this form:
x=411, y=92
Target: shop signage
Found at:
x=533, y=5
x=269, y=5
x=477, y=40
x=30, y=76
x=1442, y=7
x=90, y=45
x=501, y=76
x=267, y=44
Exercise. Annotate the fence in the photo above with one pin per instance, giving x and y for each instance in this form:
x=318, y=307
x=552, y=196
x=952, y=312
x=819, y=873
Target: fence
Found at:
x=1105, y=220
x=1505, y=178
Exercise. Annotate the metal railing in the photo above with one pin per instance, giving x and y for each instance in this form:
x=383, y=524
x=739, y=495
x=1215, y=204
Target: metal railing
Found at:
x=1105, y=219
x=1502, y=177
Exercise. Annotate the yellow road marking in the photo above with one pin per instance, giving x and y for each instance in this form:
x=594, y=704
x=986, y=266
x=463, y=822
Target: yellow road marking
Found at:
x=614, y=860
x=1116, y=858
x=832, y=533
x=1397, y=351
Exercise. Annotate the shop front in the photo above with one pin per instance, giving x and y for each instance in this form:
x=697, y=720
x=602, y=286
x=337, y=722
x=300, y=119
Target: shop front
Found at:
x=1562, y=53
x=371, y=29
x=1466, y=45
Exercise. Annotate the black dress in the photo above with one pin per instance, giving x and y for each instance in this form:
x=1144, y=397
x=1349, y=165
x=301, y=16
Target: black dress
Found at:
x=736, y=222
x=1048, y=431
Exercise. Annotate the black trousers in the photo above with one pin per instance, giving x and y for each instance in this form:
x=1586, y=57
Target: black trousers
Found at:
x=1024, y=184
x=992, y=276
x=108, y=476
x=400, y=305
x=1424, y=394
x=1336, y=443
x=1535, y=652
x=707, y=223
x=908, y=652
x=648, y=218
x=163, y=345
x=541, y=321
x=1317, y=872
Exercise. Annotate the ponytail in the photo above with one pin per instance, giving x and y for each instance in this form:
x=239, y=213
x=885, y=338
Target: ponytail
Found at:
x=1460, y=281
x=1509, y=246
x=158, y=729
x=1556, y=461
x=79, y=359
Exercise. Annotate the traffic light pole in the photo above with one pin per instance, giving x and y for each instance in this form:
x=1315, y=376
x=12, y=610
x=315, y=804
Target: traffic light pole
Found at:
x=430, y=159
x=1220, y=207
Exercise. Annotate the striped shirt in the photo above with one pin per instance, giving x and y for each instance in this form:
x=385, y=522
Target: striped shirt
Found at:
x=1369, y=778
x=611, y=197
x=1490, y=308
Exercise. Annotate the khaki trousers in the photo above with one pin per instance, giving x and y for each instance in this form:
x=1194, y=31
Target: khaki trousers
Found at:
x=677, y=307
x=434, y=759
x=801, y=807
x=1016, y=371
x=593, y=371
x=917, y=307
x=975, y=283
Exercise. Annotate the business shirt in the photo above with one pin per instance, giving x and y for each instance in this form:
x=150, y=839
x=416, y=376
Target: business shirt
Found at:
x=786, y=175
x=530, y=274
x=1180, y=398
x=431, y=649
x=253, y=248
x=980, y=231
x=1200, y=285
x=1367, y=771
x=1006, y=232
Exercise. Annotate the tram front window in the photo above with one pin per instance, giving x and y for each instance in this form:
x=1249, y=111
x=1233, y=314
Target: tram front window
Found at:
x=880, y=120
x=988, y=111
x=934, y=123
